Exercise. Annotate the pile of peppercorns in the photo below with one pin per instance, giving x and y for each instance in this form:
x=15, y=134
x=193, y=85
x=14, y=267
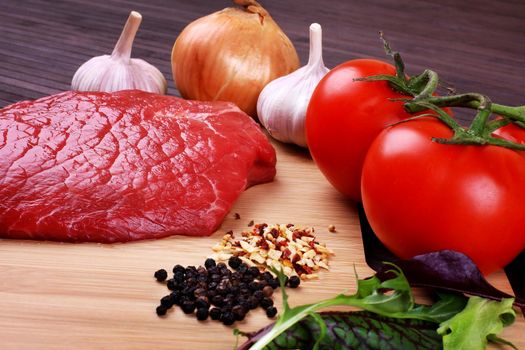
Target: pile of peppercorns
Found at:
x=215, y=291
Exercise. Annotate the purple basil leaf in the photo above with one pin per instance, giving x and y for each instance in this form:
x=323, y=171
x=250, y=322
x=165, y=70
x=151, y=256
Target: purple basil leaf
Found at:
x=447, y=270
x=355, y=330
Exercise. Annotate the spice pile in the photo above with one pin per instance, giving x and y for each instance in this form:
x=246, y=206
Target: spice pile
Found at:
x=215, y=291
x=287, y=247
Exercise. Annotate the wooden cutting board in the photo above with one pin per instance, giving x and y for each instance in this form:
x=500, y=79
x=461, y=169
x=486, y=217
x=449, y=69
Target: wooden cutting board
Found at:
x=92, y=296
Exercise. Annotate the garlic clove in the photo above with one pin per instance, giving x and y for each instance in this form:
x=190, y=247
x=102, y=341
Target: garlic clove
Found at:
x=282, y=104
x=119, y=71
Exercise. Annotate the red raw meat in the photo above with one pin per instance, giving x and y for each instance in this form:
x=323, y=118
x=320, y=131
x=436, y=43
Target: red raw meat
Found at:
x=116, y=167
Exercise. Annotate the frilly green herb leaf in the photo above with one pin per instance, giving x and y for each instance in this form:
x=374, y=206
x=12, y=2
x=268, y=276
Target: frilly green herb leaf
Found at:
x=479, y=322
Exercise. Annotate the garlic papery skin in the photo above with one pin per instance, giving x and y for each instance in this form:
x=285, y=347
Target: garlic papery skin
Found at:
x=119, y=71
x=282, y=104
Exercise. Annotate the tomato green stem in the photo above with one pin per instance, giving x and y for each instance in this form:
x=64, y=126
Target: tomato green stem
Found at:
x=398, y=61
x=480, y=121
x=471, y=100
x=427, y=82
x=422, y=87
x=495, y=124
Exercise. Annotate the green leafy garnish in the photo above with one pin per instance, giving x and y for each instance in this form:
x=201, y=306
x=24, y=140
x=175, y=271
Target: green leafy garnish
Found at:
x=392, y=320
x=359, y=330
x=479, y=322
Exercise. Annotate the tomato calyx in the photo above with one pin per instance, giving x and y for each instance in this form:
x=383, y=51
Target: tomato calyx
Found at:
x=421, y=89
x=480, y=132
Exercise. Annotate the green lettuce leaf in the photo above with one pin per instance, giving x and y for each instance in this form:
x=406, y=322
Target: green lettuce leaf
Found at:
x=481, y=321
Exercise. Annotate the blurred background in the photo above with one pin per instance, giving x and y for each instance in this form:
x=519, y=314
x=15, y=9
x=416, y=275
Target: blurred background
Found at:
x=473, y=45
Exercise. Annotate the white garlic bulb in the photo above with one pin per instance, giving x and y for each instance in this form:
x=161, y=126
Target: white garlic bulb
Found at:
x=119, y=71
x=282, y=104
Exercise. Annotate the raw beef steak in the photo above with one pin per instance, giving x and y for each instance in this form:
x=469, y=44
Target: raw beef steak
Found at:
x=116, y=167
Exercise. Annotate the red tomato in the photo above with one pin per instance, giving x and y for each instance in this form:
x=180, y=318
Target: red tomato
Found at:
x=344, y=117
x=511, y=132
x=422, y=196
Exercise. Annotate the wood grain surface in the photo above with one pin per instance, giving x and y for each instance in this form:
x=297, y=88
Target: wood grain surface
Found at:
x=90, y=296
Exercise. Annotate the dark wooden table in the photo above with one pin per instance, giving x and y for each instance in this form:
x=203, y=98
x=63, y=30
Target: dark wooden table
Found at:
x=473, y=45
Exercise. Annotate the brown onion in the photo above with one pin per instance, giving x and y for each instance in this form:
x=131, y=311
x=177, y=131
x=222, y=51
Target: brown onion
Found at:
x=230, y=55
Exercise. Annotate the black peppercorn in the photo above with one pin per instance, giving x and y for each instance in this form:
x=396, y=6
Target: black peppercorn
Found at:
x=245, y=304
x=161, y=275
x=234, y=262
x=217, y=300
x=252, y=302
x=221, y=266
x=191, y=271
x=166, y=301
x=274, y=283
x=215, y=313
x=171, y=284
x=254, y=286
x=216, y=277
x=188, y=307
x=179, y=276
x=209, y=263
x=266, y=302
x=267, y=276
x=247, y=278
x=267, y=291
x=254, y=271
x=213, y=270
x=202, y=303
x=271, y=312
x=211, y=294
x=238, y=312
x=242, y=268
x=236, y=276
x=178, y=269
x=227, y=318
x=202, y=278
x=259, y=294
x=202, y=314
x=161, y=310
x=199, y=292
x=175, y=297
x=294, y=282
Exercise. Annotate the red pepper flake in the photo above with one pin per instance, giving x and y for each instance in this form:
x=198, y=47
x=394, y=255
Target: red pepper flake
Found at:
x=250, y=224
x=289, y=225
x=274, y=233
x=263, y=244
x=296, y=258
x=298, y=269
x=237, y=216
x=307, y=269
x=286, y=253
